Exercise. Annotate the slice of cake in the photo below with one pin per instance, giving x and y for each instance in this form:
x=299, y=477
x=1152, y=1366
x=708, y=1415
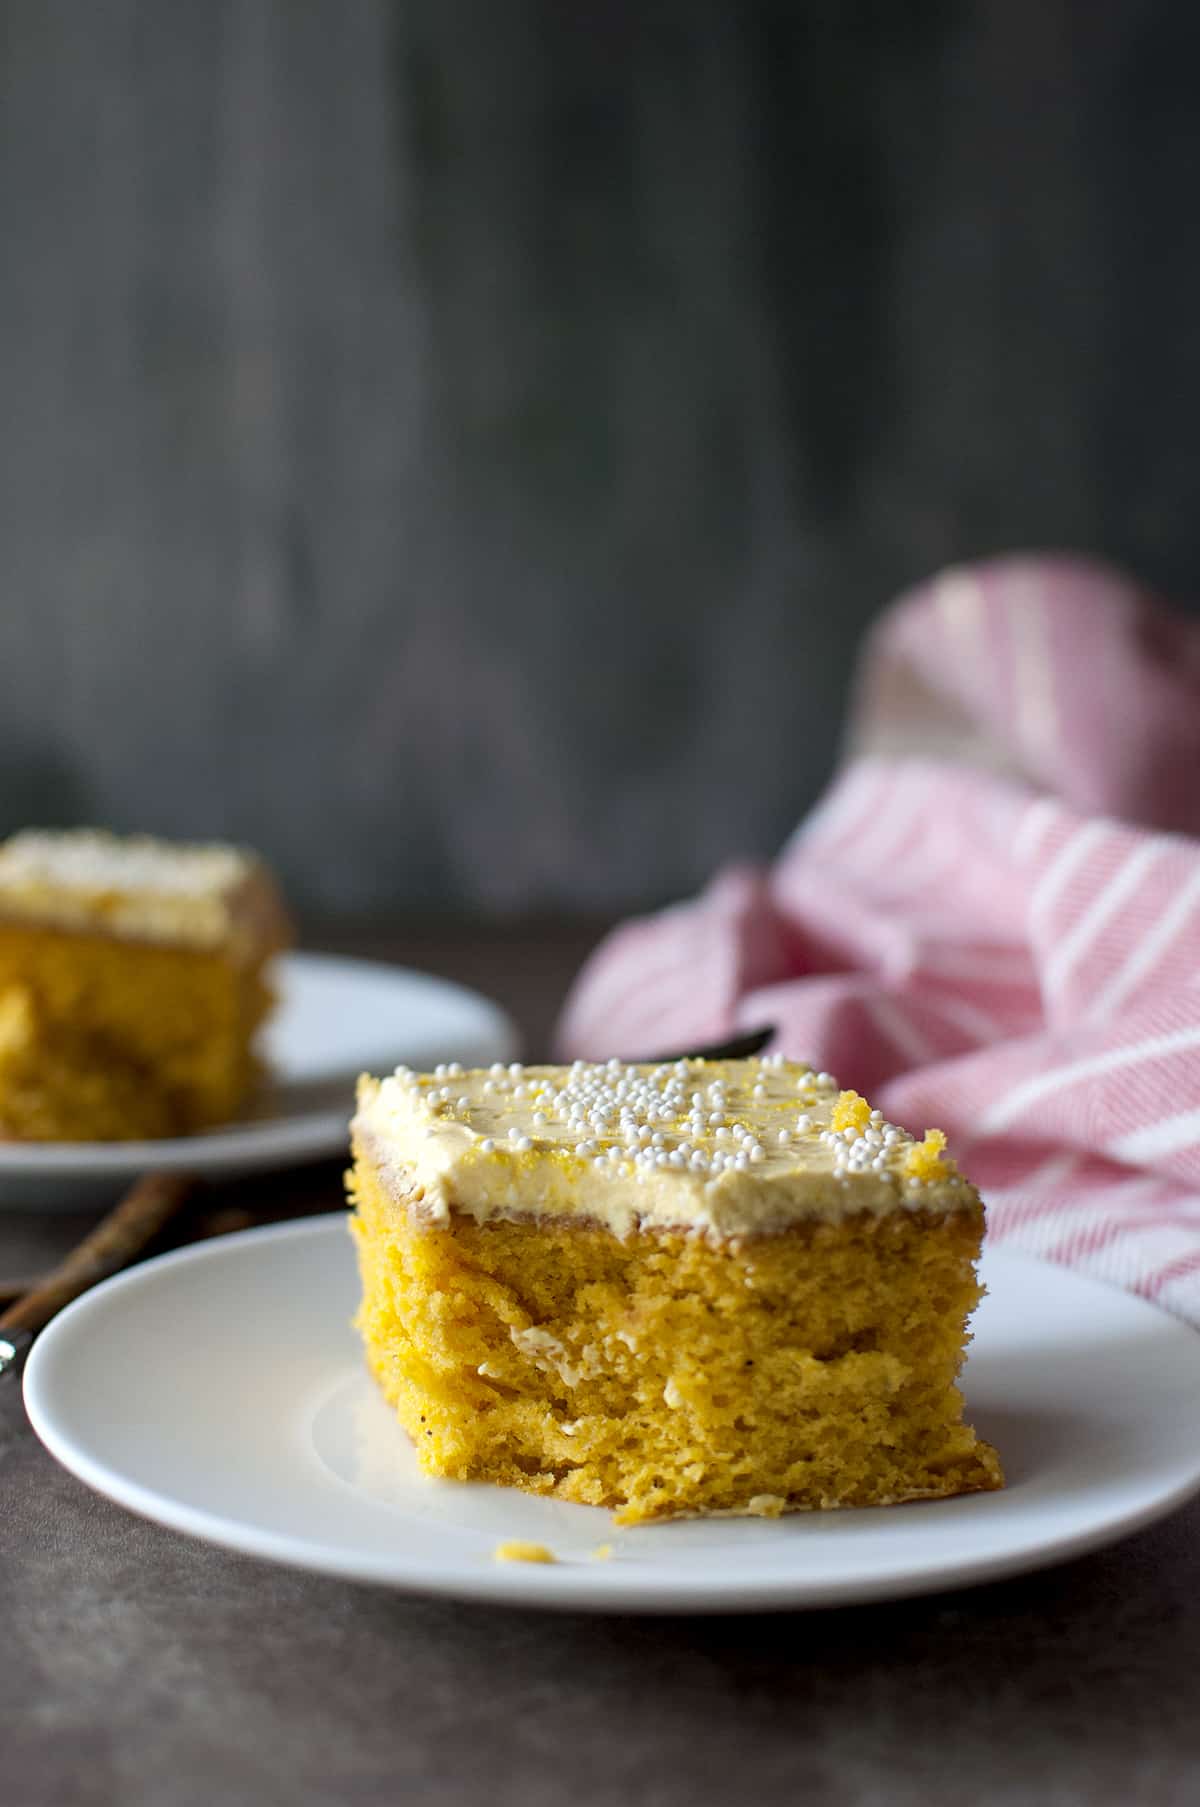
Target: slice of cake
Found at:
x=132, y=982
x=692, y=1288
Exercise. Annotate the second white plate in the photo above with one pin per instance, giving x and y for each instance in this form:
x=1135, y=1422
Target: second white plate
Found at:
x=336, y=1018
x=221, y=1391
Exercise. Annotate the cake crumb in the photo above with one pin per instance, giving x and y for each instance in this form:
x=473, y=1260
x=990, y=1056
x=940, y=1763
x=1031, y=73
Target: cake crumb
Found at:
x=927, y=1160
x=850, y=1112
x=766, y=1505
x=602, y=1552
x=516, y=1551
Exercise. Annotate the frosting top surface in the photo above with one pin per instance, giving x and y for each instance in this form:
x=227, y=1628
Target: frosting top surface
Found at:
x=728, y=1147
x=196, y=894
x=90, y=860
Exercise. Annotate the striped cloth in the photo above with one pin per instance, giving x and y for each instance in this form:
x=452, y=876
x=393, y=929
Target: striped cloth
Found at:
x=992, y=920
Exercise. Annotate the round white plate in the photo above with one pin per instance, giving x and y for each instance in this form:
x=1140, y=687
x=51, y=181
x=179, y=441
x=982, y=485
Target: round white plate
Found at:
x=335, y=1019
x=220, y=1390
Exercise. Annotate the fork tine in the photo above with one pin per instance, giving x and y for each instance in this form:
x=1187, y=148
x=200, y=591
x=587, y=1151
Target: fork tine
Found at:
x=738, y=1047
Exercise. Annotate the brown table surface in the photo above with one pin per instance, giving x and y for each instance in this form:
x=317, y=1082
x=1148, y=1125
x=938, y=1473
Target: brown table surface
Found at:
x=138, y=1666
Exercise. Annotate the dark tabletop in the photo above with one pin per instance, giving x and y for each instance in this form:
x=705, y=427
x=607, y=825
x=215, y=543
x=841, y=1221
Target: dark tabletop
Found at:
x=138, y=1666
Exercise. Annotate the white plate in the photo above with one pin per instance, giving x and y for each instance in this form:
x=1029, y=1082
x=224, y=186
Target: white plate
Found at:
x=220, y=1390
x=336, y=1018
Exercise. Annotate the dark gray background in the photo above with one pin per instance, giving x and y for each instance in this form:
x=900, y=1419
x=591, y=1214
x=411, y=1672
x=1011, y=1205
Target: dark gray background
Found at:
x=456, y=445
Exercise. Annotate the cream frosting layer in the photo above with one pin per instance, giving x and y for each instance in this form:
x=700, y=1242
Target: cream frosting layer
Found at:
x=730, y=1148
x=136, y=887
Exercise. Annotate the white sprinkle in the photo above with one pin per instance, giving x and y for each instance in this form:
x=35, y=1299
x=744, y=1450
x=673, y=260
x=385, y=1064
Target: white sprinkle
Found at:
x=496, y=1070
x=487, y=1146
x=514, y=1134
x=539, y=1119
x=784, y=1137
x=523, y=1143
x=803, y=1122
x=515, y=1069
x=464, y=1103
x=758, y=1152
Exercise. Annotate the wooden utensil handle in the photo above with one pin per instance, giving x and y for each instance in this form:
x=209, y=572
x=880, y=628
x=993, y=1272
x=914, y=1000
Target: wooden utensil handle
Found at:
x=116, y=1239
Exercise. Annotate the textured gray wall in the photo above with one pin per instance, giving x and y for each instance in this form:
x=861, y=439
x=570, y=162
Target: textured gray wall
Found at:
x=455, y=446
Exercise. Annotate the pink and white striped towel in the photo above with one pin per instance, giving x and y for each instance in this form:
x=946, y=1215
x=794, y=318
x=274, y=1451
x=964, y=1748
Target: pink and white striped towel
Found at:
x=992, y=920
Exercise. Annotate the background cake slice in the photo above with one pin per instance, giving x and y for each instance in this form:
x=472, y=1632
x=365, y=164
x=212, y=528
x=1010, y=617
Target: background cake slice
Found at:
x=132, y=982
x=694, y=1288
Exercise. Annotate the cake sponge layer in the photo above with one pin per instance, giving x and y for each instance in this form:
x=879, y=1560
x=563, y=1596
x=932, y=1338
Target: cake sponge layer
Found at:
x=104, y=1039
x=664, y=1372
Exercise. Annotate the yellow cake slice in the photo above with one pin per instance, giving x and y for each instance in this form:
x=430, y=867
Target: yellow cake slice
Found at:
x=703, y=1287
x=132, y=983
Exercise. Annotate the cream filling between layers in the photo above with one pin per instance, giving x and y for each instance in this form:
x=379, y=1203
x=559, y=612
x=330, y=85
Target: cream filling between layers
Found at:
x=508, y=1143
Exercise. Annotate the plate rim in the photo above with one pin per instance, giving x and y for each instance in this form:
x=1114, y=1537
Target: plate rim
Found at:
x=256, y=1142
x=564, y=1586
